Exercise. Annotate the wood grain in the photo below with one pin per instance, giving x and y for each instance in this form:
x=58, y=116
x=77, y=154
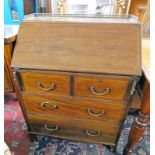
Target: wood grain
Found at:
x=30, y=80
x=118, y=87
x=75, y=55
x=74, y=128
x=8, y=84
x=141, y=121
x=73, y=108
x=135, y=5
x=8, y=87
x=81, y=47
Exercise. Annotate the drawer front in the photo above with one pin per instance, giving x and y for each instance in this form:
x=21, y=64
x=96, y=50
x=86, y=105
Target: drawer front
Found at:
x=74, y=129
x=52, y=84
x=81, y=109
x=101, y=88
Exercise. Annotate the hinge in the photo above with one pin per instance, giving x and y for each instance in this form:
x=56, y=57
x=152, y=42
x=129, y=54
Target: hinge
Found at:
x=16, y=79
x=15, y=70
x=133, y=88
x=15, y=75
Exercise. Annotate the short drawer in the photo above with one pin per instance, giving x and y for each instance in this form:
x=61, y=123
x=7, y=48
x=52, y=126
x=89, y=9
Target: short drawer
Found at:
x=74, y=108
x=74, y=129
x=53, y=84
x=101, y=87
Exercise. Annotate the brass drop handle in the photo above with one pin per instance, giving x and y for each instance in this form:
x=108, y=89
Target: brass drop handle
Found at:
x=53, y=106
x=92, y=133
x=55, y=128
x=51, y=87
x=97, y=114
x=92, y=90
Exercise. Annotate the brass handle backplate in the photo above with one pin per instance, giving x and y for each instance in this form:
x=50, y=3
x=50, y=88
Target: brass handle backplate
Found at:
x=51, y=87
x=106, y=91
x=55, y=128
x=90, y=112
x=92, y=133
x=44, y=104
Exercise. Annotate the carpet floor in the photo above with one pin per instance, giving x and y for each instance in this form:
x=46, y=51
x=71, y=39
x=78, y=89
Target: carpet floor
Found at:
x=16, y=137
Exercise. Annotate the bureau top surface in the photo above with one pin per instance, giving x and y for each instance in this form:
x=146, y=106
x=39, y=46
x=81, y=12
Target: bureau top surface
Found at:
x=95, y=47
x=89, y=18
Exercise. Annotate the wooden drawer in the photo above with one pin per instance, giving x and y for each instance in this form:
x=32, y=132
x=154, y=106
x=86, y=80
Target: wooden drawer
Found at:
x=74, y=129
x=101, y=87
x=73, y=108
x=53, y=84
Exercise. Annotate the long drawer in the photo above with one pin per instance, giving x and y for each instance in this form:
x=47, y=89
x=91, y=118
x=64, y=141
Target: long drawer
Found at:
x=74, y=108
x=74, y=129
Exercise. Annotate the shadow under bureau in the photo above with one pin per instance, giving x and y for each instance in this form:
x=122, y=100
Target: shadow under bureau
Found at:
x=76, y=76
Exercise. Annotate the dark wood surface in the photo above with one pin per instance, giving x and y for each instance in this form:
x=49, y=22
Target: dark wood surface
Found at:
x=117, y=87
x=8, y=84
x=75, y=108
x=81, y=47
x=141, y=121
x=69, y=106
x=75, y=128
x=30, y=80
x=8, y=87
x=76, y=123
x=74, y=84
x=75, y=56
x=10, y=33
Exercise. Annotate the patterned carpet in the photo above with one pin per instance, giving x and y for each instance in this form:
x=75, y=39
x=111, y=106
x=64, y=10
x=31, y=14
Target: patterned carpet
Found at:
x=16, y=136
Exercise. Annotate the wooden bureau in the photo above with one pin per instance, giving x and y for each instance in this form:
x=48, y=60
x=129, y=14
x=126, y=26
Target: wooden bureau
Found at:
x=76, y=76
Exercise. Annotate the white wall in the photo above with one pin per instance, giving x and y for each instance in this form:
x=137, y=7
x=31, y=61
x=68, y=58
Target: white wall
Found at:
x=91, y=9
x=54, y=6
x=90, y=3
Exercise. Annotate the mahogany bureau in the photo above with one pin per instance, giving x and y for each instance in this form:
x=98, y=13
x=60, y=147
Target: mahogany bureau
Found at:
x=77, y=75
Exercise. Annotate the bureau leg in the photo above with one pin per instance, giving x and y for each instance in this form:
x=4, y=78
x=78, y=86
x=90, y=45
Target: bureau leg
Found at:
x=6, y=97
x=140, y=122
x=32, y=136
x=112, y=148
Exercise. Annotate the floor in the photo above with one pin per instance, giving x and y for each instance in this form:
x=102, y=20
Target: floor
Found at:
x=16, y=137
